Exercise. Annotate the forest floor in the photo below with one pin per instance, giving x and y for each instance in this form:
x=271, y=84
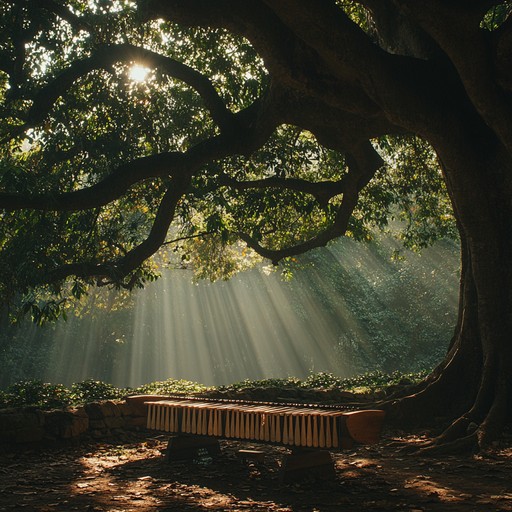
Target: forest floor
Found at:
x=132, y=475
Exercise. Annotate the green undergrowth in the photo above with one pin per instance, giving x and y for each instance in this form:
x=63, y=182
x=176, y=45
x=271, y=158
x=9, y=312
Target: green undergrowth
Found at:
x=44, y=395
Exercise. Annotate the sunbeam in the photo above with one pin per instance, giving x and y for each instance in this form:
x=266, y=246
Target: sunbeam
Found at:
x=348, y=311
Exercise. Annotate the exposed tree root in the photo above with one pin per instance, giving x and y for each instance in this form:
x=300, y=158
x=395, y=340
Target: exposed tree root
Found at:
x=428, y=399
x=465, y=444
x=460, y=428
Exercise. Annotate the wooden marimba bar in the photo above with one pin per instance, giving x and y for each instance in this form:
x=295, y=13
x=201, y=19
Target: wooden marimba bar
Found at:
x=294, y=426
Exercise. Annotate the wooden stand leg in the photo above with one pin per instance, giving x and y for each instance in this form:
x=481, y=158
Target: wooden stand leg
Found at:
x=302, y=463
x=191, y=447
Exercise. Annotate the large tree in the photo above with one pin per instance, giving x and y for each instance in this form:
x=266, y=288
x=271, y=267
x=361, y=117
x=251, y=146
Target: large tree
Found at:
x=267, y=122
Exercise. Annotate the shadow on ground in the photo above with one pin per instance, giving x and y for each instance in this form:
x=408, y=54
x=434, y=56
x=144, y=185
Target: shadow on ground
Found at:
x=133, y=475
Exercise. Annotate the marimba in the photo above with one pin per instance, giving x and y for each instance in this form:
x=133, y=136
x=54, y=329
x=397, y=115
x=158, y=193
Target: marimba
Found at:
x=292, y=425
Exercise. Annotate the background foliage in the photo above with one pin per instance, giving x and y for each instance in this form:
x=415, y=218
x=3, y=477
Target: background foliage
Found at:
x=49, y=396
x=387, y=309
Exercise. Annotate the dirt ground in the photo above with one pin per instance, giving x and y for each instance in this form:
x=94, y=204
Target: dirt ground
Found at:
x=133, y=475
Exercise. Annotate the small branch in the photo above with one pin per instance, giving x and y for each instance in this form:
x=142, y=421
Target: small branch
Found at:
x=363, y=162
x=337, y=229
x=190, y=237
x=322, y=191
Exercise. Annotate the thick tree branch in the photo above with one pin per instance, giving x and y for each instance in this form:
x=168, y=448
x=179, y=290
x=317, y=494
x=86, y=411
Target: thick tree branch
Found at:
x=104, y=57
x=321, y=191
x=314, y=49
x=363, y=161
x=255, y=123
x=459, y=34
x=290, y=61
x=115, y=271
x=355, y=61
x=396, y=33
x=107, y=190
x=326, y=28
x=362, y=167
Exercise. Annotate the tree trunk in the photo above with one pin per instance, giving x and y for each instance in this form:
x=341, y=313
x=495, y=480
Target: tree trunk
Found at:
x=474, y=382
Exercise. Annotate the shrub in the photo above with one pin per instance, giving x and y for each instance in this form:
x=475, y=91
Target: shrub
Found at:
x=5, y=399
x=287, y=382
x=43, y=395
x=323, y=380
x=378, y=380
x=37, y=393
x=93, y=390
x=170, y=387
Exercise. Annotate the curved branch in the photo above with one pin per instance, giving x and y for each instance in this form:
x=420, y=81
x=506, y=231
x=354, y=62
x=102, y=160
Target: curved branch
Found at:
x=104, y=57
x=313, y=48
x=337, y=229
x=115, y=271
x=290, y=61
x=362, y=164
x=107, y=190
x=322, y=191
x=363, y=161
x=255, y=123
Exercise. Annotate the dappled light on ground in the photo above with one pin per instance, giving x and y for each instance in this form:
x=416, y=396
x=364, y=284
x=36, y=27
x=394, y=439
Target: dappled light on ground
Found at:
x=132, y=476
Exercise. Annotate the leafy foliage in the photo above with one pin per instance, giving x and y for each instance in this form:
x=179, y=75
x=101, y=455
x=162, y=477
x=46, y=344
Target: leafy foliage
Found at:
x=44, y=395
x=288, y=382
x=366, y=382
x=370, y=381
x=73, y=117
x=35, y=393
x=49, y=396
x=496, y=15
x=170, y=387
x=91, y=390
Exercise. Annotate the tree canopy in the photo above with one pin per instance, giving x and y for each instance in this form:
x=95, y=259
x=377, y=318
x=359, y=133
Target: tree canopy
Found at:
x=101, y=167
x=212, y=128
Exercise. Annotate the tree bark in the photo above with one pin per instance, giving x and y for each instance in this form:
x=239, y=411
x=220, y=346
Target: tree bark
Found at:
x=473, y=383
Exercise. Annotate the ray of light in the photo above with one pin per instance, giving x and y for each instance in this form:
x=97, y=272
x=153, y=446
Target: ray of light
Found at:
x=341, y=315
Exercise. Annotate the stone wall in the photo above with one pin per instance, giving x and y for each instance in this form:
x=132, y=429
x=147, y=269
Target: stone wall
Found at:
x=96, y=420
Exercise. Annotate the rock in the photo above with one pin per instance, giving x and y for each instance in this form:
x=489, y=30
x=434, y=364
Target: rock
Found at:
x=114, y=422
x=135, y=421
x=97, y=423
x=94, y=411
x=21, y=425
